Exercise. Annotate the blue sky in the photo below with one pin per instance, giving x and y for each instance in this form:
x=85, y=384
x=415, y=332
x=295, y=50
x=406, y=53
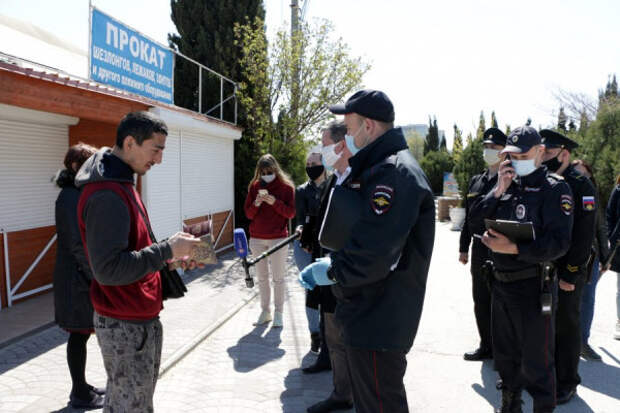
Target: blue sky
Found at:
x=445, y=58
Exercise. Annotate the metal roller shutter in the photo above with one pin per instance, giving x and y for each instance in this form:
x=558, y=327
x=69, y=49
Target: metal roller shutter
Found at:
x=30, y=155
x=161, y=187
x=208, y=174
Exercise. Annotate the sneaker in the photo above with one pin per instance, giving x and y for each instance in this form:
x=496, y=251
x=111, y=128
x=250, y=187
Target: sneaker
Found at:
x=94, y=401
x=617, y=332
x=264, y=318
x=588, y=353
x=277, y=319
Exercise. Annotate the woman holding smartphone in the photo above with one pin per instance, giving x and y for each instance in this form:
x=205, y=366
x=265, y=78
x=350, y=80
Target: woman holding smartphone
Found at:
x=269, y=205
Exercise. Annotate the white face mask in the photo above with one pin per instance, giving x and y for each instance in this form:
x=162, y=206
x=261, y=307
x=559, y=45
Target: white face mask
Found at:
x=329, y=155
x=491, y=156
x=268, y=178
x=524, y=167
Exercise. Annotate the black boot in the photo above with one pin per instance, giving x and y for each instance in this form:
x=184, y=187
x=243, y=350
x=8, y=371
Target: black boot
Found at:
x=511, y=402
x=315, y=343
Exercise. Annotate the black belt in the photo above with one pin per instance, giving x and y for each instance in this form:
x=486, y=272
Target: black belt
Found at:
x=512, y=276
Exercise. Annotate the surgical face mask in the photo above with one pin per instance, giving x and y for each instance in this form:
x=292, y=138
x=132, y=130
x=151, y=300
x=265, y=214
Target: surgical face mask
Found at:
x=351, y=141
x=491, y=156
x=329, y=156
x=524, y=167
x=268, y=178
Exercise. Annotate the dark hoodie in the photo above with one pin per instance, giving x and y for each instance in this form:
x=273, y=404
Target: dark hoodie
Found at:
x=122, y=255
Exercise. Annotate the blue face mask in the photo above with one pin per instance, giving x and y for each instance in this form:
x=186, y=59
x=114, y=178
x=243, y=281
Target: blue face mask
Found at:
x=350, y=139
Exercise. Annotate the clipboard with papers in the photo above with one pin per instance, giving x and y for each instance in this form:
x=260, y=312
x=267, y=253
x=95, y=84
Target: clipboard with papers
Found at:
x=514, y=230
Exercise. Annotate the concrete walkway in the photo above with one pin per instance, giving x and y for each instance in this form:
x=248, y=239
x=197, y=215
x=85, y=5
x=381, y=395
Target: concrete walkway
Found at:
x=242, y=368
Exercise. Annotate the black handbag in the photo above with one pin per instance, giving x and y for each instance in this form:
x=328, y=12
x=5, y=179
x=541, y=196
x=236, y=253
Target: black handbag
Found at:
x=172, y=285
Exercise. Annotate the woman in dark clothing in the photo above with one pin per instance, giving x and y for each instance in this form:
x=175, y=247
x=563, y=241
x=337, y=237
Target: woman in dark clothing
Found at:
x=613, y=230
x=72, y=275
x=601, y=252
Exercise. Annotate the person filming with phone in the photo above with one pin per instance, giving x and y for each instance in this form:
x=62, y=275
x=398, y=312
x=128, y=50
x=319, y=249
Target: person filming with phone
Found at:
x=524, y=288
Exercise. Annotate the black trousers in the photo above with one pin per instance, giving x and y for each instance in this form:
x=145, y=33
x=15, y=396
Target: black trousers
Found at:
x=482, y=301
x=324, y=358
x=524, y=340
x=377, y=380
x=568, y=337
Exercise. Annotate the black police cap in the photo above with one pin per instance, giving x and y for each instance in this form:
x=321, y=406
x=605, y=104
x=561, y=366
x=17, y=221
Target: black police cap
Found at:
x=494, y=135
x=553, y=139
x=372, y=104
x=522, y=139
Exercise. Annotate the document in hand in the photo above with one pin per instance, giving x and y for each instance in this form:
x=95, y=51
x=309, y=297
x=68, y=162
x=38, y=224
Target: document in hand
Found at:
x=514, y=230
x=203, y=253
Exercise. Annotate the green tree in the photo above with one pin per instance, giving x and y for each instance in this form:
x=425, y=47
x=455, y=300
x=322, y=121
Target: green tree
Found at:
x=562, y=119
x=494, y=123
x=508, y=130
x=469, y=164
x=443, y=146
x=432, y=137
x=327, y=73
x=435, y=164
x=457, y=145
x=470, y=139
x=481, y=126
x=416, y=142
x=206, y=34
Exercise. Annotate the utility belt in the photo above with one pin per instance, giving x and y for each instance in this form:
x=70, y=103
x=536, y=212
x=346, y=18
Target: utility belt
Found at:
x=545, y=271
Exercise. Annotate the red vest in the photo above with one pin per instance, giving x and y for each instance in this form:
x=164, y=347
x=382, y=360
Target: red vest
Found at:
x=141, y=300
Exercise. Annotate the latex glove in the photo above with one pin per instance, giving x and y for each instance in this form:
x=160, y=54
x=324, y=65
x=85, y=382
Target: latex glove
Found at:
x=316, y=274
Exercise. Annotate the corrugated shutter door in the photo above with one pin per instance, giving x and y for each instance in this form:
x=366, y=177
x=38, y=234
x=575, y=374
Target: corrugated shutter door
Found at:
x=162, y=190
x=30, y=155
x=208, y=173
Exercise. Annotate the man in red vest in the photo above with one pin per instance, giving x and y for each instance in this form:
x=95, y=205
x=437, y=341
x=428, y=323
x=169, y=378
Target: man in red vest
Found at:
x=126, y=291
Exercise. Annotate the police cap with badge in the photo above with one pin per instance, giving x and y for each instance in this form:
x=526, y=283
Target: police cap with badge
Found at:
x=344, y=207
x=552, y=139
x=494, y=136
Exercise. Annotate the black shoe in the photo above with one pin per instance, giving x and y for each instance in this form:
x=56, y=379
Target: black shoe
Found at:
x=315, y=343
x=511, y=402
x=564, y=396
x=97, y=390
x=95, y=402
x=588, y=353
x=478, y=354
x=329, y=405
x=317, y=368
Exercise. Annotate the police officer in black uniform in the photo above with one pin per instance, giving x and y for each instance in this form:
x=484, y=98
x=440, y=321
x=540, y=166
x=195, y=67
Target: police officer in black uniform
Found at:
x=573, y=267
x=379, y=276
x=523, y=334
x=479, y=185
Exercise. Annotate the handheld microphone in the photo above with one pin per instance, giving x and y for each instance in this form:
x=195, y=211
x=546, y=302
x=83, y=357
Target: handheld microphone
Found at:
x=241, y=246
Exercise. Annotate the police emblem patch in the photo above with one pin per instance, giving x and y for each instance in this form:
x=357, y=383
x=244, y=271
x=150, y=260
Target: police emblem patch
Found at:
x=381, y=199
x=588, y=203
x=566, y=203
x=520, y=211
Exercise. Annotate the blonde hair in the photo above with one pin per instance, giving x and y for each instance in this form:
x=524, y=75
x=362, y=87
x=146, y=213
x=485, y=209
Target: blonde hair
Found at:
x=268, y=162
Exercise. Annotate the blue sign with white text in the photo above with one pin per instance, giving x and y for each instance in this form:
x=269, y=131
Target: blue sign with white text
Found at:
x=125, y=59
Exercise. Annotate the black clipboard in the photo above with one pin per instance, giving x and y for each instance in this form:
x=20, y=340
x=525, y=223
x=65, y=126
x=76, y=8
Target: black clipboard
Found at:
x=514, y=230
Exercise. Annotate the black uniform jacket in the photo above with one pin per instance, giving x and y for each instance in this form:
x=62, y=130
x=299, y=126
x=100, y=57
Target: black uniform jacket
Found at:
x=543, y=199
x=575, y=263
x=479, y=186
x=381, y=272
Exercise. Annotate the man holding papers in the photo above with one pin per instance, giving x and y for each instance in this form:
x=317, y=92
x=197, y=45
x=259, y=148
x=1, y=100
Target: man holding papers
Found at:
x=523, y=288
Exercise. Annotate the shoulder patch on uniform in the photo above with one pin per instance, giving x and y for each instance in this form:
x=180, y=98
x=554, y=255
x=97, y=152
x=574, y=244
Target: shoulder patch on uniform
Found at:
x=566, y=203
x=588, y=203
x=381, y=199
x=572, y=268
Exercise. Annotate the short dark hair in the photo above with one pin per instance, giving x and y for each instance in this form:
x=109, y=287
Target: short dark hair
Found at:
x=78, y=154
x=336, y=130
x=140, y=125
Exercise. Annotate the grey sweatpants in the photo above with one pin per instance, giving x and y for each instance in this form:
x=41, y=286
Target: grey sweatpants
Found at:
x=131, y=355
